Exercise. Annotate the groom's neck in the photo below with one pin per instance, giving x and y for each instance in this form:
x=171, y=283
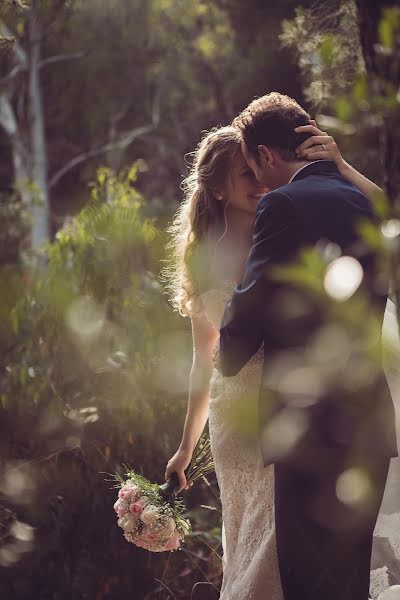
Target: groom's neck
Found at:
x=288, y=169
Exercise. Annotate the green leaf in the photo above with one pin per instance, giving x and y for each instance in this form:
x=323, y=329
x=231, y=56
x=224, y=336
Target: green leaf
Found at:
x=360, y=88
x=389, y=27
x=381, y=205
x=327, y=48
x=386, y=34
x=344, y=109
x=370, y=234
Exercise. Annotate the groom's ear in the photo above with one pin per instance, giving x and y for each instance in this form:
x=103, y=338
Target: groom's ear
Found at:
x=266, y=157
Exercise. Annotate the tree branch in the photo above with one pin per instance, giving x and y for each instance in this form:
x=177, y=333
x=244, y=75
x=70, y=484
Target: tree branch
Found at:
x=12, y=74
x=123, y=142
x=61, y=57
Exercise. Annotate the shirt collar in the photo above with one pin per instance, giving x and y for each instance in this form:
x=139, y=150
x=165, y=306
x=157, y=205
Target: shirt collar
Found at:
x=305, y=167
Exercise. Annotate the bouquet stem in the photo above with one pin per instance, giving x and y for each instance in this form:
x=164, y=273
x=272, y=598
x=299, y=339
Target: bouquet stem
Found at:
x=170, y=489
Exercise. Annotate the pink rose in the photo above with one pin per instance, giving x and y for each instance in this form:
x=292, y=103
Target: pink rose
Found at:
x=121, y=508
x=137, y=507
x=129, y=492
x=173, y=543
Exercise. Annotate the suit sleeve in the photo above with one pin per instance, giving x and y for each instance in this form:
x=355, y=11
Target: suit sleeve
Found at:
x=275, y=239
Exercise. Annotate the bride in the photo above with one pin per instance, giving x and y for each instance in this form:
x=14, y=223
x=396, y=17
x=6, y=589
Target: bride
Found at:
x=211, y=237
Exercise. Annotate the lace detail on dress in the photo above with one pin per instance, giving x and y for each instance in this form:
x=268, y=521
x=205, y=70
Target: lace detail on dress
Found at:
x=379, y=582
x=250, y=562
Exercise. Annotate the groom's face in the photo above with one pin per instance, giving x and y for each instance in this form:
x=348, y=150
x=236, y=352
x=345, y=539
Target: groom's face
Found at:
x=261, y=168
x=249, y=158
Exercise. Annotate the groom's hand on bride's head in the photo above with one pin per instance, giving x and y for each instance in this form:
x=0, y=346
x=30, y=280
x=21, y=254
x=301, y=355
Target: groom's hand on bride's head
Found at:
x=319, y=146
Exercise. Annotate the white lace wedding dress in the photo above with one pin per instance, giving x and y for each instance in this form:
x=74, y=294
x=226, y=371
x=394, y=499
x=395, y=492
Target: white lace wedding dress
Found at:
x=250, y=560
x=251, y=570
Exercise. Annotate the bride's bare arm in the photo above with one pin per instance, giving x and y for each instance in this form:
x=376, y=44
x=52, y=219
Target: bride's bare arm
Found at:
x=205, y=337
x=312, y=149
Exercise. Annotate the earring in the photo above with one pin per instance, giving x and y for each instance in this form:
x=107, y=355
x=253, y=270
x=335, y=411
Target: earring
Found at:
x=219, y=196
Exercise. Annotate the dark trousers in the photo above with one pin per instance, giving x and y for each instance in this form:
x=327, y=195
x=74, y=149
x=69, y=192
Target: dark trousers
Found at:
x=324, y=544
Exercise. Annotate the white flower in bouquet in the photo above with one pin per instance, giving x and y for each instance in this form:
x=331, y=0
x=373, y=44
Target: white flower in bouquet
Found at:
x=150, y=514
x=168, y=527
x=184, y=527
x=127, y=523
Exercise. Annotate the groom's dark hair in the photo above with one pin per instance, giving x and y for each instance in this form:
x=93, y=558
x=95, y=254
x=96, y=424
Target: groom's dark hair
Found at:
x=270, y=121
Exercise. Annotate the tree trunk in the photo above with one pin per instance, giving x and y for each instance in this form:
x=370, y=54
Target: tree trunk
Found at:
x=19, y=152
x=40, y=205
x=369, y=13
x=383, y=70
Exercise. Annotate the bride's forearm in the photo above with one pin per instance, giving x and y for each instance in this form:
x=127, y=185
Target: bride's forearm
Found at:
x=196, y=419
x=197, y=411
x=365, y=185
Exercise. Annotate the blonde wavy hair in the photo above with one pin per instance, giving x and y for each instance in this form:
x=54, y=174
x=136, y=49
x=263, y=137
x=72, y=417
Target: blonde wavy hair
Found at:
x=200, y=221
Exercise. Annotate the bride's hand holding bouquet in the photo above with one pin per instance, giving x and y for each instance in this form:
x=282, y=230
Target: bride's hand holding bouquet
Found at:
x=178, y=464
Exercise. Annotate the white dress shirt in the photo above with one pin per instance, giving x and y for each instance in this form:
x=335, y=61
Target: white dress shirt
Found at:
x=305, y=167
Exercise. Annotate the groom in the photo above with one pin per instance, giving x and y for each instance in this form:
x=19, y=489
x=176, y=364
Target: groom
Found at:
x=326, y=416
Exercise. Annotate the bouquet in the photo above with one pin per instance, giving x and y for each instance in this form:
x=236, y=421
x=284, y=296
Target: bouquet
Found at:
x=151, y=515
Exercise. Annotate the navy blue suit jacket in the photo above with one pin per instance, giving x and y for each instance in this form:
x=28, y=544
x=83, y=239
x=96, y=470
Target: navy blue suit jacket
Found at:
x=318, y=206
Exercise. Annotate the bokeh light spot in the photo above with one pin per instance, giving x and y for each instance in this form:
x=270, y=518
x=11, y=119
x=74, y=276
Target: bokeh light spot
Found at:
x=22, y=531
x=85, y=317
x=343, y=277
x=283, y=432
x=391, y=229
x=353, y=486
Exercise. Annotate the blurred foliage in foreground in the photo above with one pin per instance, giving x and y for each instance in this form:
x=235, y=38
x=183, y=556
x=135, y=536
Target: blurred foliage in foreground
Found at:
x=95, y=375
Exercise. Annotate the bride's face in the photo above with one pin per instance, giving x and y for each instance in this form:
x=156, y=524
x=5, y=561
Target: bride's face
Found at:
x=242, y=190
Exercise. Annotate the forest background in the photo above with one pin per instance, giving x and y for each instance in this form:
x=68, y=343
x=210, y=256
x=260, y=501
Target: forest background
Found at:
x=101, y=104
